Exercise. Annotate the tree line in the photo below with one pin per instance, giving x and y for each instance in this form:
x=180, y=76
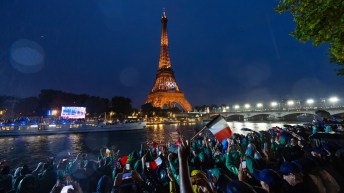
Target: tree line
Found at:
x=49, y=99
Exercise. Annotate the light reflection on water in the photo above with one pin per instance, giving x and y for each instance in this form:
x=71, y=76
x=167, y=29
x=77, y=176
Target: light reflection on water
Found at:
x=33, y=149
x=236, y=126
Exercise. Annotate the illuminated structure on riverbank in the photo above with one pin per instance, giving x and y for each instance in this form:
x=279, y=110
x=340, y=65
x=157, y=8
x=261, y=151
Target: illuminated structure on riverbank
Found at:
x=165, y=89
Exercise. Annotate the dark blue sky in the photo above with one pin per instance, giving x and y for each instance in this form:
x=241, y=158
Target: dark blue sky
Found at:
x=224, y=52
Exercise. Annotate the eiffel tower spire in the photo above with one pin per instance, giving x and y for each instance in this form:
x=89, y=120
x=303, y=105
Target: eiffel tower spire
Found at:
x=165, y=90
x=164, y=61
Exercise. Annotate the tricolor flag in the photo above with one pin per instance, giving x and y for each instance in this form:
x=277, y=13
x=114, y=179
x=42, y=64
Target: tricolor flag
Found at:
x=219, y=127
x=156, y=163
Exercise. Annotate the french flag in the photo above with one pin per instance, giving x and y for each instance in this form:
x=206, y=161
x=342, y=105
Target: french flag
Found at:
x=156, y=163
x=219, y=127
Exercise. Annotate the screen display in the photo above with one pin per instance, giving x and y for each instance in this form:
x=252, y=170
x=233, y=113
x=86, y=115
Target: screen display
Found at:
x=73, y=112
x=126, y=176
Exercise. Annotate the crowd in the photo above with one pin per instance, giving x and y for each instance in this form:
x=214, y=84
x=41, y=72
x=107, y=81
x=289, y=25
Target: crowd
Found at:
x=279, y=160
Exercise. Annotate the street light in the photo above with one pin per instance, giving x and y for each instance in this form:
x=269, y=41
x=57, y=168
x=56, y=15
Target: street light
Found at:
x=259, y=105
x=333, y=99
x=310, y=101
x=54, y=112
x=247, y=106
x=236, y=106
x=273, y=104
x=290, y=103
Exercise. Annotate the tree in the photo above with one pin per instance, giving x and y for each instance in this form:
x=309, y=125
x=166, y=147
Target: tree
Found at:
x=122, y=106
x=26, y=106
x=318, y=21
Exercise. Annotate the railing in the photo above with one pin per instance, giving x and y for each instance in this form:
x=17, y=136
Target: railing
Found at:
x=290, y=109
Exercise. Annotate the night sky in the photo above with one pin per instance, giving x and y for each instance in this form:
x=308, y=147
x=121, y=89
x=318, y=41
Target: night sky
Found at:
x=222, y=53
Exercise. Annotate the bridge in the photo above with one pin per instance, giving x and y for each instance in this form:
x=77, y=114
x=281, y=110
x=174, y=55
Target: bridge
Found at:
x=273, y=114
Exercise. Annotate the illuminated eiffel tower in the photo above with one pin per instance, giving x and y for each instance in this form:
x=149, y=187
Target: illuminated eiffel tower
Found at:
x=165, y=89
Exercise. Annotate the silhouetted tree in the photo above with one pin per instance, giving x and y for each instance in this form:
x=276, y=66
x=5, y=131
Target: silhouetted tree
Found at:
x=318, y=22
x=122, y=106
x=26, y=106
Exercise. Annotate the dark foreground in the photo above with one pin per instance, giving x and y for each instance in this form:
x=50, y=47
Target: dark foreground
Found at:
x=276, y=160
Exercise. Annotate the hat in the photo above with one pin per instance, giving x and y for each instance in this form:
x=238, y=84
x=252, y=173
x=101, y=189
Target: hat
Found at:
x=195, y=172
x=198, y=173
x=215, y=172
x=249, y=152
x=289, y=167
x=269, y=176
x=202, y=157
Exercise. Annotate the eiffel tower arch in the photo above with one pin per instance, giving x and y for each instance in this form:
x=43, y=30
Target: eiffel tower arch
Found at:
x=165, y=90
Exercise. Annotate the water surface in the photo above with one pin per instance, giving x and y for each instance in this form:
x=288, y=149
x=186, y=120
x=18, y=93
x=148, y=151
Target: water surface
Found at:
x=33, y=149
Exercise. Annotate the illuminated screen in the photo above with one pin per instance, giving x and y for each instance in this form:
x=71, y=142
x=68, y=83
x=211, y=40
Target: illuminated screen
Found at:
x=73, y=112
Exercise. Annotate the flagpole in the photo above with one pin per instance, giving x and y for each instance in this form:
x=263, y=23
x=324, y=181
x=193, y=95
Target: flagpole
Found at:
x=198, y=133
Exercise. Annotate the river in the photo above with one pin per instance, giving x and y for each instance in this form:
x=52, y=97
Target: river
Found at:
x=33, y=149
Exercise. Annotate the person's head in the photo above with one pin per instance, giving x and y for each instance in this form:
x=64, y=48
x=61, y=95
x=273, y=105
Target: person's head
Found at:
x=318, y=152
x=25, y=170
x=104, y=184
x=249, y=152
x=291, y=173
x=293, y=141
x=197, y=174
x=4, y=168
x=269, y=180
x=91, y=166
x=199, y=181
x=202, y=157
x=27, y=185
x=214, y=175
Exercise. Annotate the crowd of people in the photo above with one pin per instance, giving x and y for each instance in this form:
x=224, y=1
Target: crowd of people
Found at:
x=278, y=160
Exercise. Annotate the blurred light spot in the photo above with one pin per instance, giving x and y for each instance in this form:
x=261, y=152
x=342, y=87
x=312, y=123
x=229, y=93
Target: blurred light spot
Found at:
x=27, y=56
x=129, y=77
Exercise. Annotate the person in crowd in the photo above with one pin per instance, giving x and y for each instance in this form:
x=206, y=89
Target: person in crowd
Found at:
x=5, y=177
x=277, y=160
x=269, y=180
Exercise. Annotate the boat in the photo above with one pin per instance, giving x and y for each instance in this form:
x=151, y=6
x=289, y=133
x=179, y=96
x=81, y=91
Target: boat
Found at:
x=53, y=128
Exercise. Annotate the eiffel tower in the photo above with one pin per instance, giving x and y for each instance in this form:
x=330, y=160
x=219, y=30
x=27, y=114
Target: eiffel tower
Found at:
x=165, y=89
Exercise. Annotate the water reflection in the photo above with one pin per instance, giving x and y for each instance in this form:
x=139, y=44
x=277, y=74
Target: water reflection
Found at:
x=237, y=126
x=32, y=149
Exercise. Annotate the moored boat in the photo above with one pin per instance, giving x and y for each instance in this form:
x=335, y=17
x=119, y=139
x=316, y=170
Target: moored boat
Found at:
x=67, y=128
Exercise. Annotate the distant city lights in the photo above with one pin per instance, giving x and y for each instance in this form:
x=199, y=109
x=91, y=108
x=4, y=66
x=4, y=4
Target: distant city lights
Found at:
x=283, y=105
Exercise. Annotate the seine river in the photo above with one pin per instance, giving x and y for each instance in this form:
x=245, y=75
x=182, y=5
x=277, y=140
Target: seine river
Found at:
x=33, y=149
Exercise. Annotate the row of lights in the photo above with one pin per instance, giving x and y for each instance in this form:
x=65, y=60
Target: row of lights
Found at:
x=289, y=103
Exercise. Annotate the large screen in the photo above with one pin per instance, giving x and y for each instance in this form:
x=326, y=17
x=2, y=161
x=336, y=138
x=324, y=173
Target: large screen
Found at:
x=73, y=112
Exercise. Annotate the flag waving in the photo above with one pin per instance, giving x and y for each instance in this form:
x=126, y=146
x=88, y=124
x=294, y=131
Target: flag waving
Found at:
x=219, y=127
x=156, y=163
